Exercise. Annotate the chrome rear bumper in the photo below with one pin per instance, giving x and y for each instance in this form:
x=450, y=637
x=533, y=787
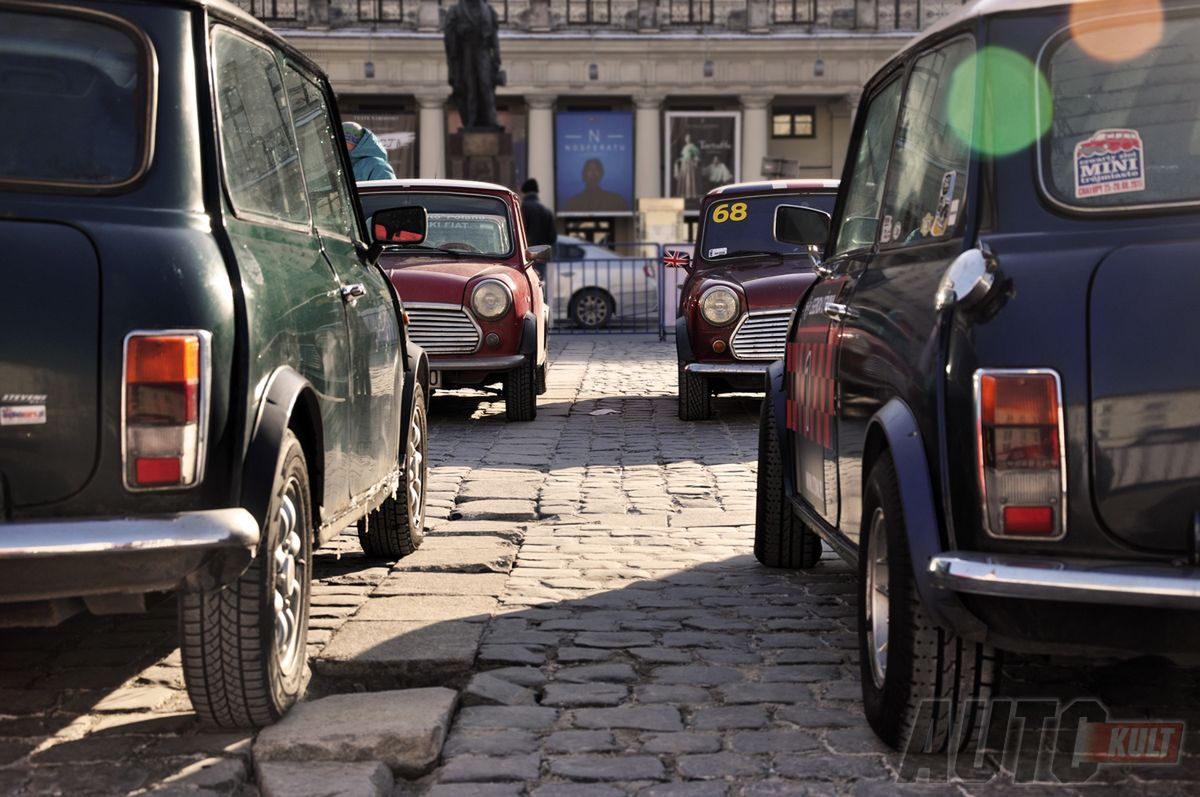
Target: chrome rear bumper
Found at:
x=728, y=369
x=1041, y=578
x=68, y=558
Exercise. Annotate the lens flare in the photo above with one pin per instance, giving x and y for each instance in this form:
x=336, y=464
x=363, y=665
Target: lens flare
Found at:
x=1015, y=105
x=1137, y=30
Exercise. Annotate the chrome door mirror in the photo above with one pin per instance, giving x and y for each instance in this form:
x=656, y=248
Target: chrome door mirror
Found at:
x=968, y=280
x=795, y=224
x=539, y=253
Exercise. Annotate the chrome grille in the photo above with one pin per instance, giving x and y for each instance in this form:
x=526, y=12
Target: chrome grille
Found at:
x=442, y=330
x=761, y=336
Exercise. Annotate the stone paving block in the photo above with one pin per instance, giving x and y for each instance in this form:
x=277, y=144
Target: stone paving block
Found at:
x=828, y=767
x=511, y=654
x=580, y=742
x=462, y=557
x=404, y=729
x=692, y=789
x=577, y=790
x=589, y=694
x=728, y=717
x=428, y=609
x=721, y=765
x=603, y=767
x=389, y=653
x=774, y=742
x=530, y=677
x=682, y=742
x=646, y=718
x=572, y=655
x=767, y=693
x=475, y=790
x=596, y=672
x=486, y=768
x=497, y=509
x=485, y=689
x=697, y=675
x=501, y=717
x=613, y=639
x=324, y=779
x=457, y=584
x=507, y=742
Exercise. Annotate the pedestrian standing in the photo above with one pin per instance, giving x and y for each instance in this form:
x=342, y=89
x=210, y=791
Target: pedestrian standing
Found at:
x=367, y=154
x=539, y=219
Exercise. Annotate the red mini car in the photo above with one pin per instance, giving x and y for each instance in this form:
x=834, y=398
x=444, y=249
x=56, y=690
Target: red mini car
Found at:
x=472, y=296
x=752, y=264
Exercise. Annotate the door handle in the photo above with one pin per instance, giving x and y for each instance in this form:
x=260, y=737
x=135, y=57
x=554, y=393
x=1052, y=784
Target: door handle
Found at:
x=840, y=312
x=352, y=293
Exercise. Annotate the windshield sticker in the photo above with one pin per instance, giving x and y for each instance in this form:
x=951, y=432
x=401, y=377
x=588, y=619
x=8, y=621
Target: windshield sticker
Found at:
x=926, y=225
x=23, y=415
x=941, y=218
x=897, y=231
x=1110, y=162
x=736, y=211
x=719, y=251
x=953, y=220
x=885, y=235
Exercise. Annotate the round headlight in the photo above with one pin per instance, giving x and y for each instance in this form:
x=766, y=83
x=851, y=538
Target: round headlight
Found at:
x=719, y=306
x=491, y=299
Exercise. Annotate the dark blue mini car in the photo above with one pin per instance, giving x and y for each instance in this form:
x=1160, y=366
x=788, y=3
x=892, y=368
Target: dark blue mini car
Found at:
x=990, y=400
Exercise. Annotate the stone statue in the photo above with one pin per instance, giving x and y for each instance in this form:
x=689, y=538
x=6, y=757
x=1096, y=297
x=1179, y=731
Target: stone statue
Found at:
x=473, y=57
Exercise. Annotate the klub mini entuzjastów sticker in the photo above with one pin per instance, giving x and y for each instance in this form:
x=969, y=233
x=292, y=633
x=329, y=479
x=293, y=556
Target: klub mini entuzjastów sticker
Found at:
x=1110, y=162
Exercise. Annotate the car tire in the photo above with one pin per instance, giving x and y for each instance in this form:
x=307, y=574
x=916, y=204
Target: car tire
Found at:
x=695, y=397
x=397, y=527
x=244, y=659
x=592, y=308
x=780, y=538
x=927, y=685
x=520, y=392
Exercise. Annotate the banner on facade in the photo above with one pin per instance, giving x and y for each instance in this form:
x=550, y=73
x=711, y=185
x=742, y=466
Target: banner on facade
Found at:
x=703, y=151
x=593, y=163
x=397, y=132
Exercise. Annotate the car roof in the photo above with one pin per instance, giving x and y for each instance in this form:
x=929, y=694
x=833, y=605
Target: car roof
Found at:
x=470, y=185
x=983, y=8
x=768, y=186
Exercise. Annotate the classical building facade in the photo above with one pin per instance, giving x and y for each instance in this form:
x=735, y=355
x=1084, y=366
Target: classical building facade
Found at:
x=670, y=96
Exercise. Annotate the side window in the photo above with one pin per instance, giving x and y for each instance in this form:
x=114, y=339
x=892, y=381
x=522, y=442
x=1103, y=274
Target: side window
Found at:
x=326, y=181
x=865, y=194
x=262, y=166
x=929, y=169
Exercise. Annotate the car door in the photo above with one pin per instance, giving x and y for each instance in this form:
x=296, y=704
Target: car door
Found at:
x=374, y=334
x=815, y=349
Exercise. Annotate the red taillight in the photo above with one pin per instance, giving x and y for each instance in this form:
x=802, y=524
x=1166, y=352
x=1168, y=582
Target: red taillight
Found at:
x=162, y=412
x=1020, y=452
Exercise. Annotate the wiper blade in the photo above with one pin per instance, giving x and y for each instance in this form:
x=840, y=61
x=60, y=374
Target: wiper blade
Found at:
x=746, y=253
x=399, y=247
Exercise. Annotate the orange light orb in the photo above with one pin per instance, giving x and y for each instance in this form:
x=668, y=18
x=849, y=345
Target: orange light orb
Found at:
x=1116, y=30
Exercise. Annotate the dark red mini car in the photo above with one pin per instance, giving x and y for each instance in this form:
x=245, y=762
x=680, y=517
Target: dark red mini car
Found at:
x=473, y=299
x=752, y=264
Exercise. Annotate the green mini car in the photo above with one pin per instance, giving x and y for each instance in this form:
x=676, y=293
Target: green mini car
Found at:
x=203, y=371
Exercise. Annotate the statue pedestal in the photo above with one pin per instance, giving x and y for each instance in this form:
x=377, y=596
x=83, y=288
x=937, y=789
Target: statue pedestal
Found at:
x=484, y=154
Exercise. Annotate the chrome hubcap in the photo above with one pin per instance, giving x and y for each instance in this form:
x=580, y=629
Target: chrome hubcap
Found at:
x=414, y=468
x=591, y=310
x=876, y=587
x=289, y=575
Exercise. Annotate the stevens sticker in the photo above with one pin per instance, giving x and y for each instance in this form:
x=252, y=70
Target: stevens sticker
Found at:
x=23, y=415
x=1110, y=162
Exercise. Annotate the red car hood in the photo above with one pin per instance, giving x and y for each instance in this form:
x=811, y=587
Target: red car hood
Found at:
x=767, y=284
x=419, y=280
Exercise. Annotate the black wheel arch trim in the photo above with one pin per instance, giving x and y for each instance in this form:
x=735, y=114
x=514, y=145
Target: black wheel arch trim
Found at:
x=683, y=343
x=416, y=372
x=288, y=395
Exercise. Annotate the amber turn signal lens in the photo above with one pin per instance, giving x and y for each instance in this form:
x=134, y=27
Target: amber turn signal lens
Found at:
x=163, y=358
x=719, y=346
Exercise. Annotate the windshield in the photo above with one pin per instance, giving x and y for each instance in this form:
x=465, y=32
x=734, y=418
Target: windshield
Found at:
x=73, y=94
x=1126, y=130
x=746, y=224
x=457, y=222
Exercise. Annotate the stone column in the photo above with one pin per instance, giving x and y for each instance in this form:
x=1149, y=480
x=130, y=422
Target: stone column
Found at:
x=647, y=122
x=429, y=17
x=431, y=135
x=540, y=146
x=754, y=135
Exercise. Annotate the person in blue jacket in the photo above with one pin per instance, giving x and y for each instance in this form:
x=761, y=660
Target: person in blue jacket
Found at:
x=367, y=155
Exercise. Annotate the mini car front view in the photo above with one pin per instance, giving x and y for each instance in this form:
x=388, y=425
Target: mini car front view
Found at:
x=989, y=400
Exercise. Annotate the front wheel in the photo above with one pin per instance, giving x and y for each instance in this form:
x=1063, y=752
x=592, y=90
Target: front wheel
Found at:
x=397, y=527
x=780, y=538
x=244, y=647
x=694, y=397
x=520, y=392
x=920, y=682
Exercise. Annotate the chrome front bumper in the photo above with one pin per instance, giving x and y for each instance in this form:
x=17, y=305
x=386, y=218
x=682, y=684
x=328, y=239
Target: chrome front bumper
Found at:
x=501, y=363
x=1041, y=578
x=68, y=558
x=728, y=369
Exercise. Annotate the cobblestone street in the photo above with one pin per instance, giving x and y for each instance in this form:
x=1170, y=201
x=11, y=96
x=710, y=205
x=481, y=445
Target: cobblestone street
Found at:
x=588, y=589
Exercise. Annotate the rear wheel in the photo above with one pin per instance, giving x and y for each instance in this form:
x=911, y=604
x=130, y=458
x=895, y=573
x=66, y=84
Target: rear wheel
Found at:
x=919, y=681
x=244, y=646
x=780, y=538
x=397, y=527
x=520, y=392
x=694, y=397
x=592, y=308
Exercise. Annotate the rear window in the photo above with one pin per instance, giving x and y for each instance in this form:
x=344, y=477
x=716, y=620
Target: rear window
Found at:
x=74, y=92
x=1126, y=128
x=742, y=225
x=460, y=222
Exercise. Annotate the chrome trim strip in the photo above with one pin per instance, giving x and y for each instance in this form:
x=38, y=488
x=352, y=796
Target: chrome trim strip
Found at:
x=40, y=539
x=414, y=309
x=727, y=369
x=764, y=315
x=202, y=407
x=500, y=363
x=1036, y=578
x=1062, y=451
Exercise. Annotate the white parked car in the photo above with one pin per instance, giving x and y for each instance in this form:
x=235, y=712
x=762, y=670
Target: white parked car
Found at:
x=590, y=286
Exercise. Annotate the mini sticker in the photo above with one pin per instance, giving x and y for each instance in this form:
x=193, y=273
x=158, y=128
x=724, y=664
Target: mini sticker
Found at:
x=885, y=235
x=1112, y=161
x=896, y=231
x=23, y=415
x=719, y=251
x=926, y=224
x=941, y=217
x=953, y=219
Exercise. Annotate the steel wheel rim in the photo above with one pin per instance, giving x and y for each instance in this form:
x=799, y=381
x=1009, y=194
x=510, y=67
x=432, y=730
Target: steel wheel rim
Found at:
x=289, y=575
x=414, y=466
x=591, y=310
x=877, y=602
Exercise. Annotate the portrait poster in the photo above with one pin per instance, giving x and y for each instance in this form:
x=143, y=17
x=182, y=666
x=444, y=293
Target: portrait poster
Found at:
x=703, y=151
x=593, y=163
